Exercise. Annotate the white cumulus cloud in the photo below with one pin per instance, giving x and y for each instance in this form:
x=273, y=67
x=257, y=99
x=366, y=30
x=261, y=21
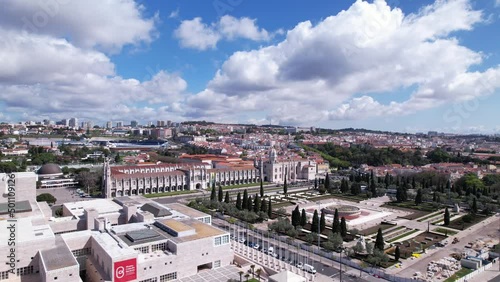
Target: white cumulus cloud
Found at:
x=317, y=70
x=197, y=35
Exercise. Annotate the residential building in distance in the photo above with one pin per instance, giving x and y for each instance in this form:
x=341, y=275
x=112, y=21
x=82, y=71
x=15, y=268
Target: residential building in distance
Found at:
x=119, y=124
x=109, y=124
x=73, y=123
x=134, y=123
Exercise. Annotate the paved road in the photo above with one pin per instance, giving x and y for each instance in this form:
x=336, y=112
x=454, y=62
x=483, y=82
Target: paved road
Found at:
x=296, y=254
x=488, y=229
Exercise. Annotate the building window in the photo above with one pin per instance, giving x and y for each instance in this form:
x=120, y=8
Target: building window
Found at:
x=143, y=250
x=4, y=275
x=161, y=247
x=154, y=279
x=168, y=277
x=217, y=264
x=221, y=240
x=81, y=252
x=25, y=270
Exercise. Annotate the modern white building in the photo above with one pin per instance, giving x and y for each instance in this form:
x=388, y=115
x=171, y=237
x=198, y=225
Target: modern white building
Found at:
x=124, y=239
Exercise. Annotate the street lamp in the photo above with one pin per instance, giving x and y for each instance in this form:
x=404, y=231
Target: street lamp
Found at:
x=340, y=262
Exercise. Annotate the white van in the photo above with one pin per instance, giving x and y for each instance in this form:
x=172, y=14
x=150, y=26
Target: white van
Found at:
x=309, y=268
x=270, y=251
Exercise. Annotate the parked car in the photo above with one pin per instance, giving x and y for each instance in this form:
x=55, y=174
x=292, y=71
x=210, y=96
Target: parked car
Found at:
x=256, y=246
x=299, y=265
x=309, y=268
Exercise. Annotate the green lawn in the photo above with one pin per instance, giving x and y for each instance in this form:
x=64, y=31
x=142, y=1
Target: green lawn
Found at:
x=166, y=194
x=461, y=273
x=402, y=235
x=243, y=185
x=429, y=216
x=445, y=231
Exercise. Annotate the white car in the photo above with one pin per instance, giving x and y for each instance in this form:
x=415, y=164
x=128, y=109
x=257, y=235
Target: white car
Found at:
x=256, y=246
x=241, y=240
x=299, y=265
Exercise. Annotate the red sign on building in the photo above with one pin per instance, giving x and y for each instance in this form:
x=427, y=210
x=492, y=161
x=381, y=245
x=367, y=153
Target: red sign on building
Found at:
x=125, y=270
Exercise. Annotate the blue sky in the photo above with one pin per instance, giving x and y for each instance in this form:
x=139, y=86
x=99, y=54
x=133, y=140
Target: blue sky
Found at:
x=389, y=65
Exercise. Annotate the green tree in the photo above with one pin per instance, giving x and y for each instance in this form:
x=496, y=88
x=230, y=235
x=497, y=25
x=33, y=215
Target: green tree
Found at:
x=303, y=218
x=221, y=194
x=285, y=186
x=270, y=209
x=256, y=204
x=343, y=227
x=418, y=198
x=446, y=216
x=249, y=203
x=245, y=200
x=296, y=217
x=379, y=242
x=336, y=222
x=397, y=253
x=226, y=199
x=322, y=222
x=315, y=222
x=358, y=248
x=261, y=188
x=46, y=197
x=327, y=182
x=474, y=206
x=263, y=206
x=118, y=158
x=373, y=187
x=213, y=194
x=239, y=206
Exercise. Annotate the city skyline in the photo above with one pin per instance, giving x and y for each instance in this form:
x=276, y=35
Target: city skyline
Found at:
x=381, y=65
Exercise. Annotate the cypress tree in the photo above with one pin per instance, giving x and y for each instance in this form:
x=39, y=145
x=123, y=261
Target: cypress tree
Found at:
x=263, y=205
x=315, y=183
x=285, y=186
x=261, y=188
x=418, y=198
x=413, y=183
x=249, y=203
x=379, y=243
x=221, y=194
x=397, y=253
x=315, y=222
x=386, y=180
x=303, y=218
x=322, y=222
x=296, y=217
x=327, y=182
x=213, y=194
x=226, y=199
x=373, y=187
x=238, y=202
x=270, y=209
x=336, y=222
x=256, y=204
x=343, y=227
x=245, y=200
x=446, y=216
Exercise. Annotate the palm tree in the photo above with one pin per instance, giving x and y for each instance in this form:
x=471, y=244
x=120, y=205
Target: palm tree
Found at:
x=259, y=272
x=252, y=267
x=240, y=273
x=246, y=276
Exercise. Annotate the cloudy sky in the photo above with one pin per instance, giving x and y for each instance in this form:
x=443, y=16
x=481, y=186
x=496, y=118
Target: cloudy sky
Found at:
x=390, y=65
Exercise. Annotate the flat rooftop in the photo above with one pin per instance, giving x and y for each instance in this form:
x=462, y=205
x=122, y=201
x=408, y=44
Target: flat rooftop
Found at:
x=58, y=257
x=21, y=206
x=186, y=210
x=103, y=206
x=175, y=225
x=29, y=229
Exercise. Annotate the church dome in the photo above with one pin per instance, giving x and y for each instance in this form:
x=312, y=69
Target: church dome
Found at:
x=49, y=169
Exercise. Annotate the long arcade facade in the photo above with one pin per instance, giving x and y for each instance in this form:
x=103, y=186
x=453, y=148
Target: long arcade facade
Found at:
x=158, y=178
